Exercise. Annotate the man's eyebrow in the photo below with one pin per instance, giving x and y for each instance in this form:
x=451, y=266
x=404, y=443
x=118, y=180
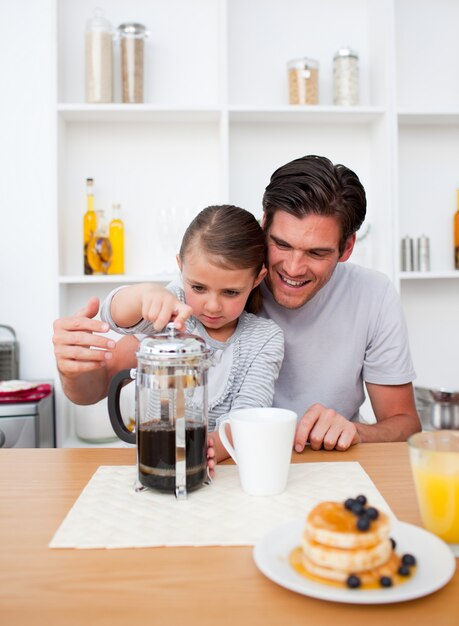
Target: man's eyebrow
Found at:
x=320, y=249
x=279, y=240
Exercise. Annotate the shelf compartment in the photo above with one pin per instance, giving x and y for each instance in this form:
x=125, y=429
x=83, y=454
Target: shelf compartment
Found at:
x=427, y=54
x=429, y=153
x=162, y=174
x=263, y=35
x=432, y=311
x=182, y=61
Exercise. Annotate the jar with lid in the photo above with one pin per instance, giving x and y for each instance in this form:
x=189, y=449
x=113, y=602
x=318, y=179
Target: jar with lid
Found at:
x=346, y=77
x=132, y=37
x=303, y=80
x=99, y=59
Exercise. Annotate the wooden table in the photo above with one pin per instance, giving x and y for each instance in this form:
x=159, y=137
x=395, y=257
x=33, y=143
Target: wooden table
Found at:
x=170, y=586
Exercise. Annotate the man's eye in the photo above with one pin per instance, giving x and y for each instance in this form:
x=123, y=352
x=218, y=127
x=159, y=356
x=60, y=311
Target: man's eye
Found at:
x=283, y=246
x=319, y=254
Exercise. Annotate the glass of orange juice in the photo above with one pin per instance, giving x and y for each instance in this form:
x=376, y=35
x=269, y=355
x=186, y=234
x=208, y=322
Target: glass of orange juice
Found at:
x=434, y=457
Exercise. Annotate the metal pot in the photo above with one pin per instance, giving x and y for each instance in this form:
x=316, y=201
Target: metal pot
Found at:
x=438, y=408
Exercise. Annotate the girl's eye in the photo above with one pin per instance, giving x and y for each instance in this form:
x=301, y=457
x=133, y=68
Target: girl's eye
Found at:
x=197, y=288
x=231, y=293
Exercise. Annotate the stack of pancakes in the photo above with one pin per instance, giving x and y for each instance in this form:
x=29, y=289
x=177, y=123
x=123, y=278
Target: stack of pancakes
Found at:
x=348, y=540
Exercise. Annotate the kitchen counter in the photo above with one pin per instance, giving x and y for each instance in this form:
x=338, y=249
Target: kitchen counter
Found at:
x=170, y=586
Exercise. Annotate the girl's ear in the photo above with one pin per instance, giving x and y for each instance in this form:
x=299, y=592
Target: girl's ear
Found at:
x=179, y=262
x=260, y=277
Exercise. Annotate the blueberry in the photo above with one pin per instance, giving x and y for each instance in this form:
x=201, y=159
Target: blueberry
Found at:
x=408, y=559
x=363, y=523
x=361, y=500
x=353, y=581
x=404, y=570
x=394, y=543
x=358, y=508
x=348, y=504
x=372, y=512
x=385, y=581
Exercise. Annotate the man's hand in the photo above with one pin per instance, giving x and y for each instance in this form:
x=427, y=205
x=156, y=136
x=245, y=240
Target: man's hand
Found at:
x=325, y=428
x=74, y=341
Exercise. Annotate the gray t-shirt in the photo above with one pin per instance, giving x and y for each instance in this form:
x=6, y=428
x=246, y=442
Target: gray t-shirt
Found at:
x=353, y=330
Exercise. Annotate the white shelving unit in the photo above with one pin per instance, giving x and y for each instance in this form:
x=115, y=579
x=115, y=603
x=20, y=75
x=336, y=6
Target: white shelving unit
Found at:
x=427, y=171
x=216, y=123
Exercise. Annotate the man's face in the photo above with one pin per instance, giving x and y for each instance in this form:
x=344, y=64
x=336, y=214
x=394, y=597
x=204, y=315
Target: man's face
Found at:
x=302, y=255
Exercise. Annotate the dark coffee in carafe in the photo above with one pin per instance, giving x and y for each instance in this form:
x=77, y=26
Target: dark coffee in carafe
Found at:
x=156, y=455
x=171, y=389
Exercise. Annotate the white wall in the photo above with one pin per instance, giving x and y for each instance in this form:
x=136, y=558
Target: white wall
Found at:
x=28, y=254
x=28, y=265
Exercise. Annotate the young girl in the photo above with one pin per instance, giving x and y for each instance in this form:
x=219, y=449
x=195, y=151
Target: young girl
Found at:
x=221, y=261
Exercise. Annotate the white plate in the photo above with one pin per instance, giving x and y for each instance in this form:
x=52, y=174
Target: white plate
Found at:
x=10, y=386
x=435, y=566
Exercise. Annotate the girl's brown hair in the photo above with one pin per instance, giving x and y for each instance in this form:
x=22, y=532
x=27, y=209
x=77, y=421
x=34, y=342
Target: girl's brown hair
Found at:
x=234, y=238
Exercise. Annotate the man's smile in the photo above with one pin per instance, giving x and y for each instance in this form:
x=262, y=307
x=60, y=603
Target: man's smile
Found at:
x=292, y=283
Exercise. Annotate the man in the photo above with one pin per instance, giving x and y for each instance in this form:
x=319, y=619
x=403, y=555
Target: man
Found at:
x=343, y=324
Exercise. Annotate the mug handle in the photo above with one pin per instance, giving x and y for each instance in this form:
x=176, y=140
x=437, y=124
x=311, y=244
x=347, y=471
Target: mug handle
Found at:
x=225, y=441
x=114, y=412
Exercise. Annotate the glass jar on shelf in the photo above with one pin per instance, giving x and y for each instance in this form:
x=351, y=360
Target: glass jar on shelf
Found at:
x=132, y=36
x=99, y=59
x=303, y=80
x=346, y=77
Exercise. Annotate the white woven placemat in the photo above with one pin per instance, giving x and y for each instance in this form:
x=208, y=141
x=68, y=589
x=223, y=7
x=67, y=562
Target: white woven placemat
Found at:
x=109, y=513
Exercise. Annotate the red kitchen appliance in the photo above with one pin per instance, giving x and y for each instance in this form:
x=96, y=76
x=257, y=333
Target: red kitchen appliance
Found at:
x=27, y=414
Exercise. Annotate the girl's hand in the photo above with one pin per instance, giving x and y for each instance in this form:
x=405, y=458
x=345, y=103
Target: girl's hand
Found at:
x=211, y=457
x=160, y=307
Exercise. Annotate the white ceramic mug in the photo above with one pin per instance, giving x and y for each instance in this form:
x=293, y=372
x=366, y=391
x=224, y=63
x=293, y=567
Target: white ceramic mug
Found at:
x=262, y=447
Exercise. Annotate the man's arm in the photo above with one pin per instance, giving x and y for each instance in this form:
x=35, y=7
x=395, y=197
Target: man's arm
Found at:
x=396, y=420
x=395, y=411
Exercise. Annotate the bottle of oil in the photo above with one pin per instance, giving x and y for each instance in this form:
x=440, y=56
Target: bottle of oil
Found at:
x=89, y=223
x=116, y=236
x=99, y=247
x=456, y=234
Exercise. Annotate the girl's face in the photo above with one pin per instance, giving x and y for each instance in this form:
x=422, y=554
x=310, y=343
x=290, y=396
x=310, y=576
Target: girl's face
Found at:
x=216, y=295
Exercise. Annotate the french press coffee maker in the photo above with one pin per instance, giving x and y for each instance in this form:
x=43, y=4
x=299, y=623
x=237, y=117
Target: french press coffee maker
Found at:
x=170, y=411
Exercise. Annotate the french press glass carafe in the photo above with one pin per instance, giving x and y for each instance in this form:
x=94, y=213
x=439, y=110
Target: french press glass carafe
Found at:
x=171, y=411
